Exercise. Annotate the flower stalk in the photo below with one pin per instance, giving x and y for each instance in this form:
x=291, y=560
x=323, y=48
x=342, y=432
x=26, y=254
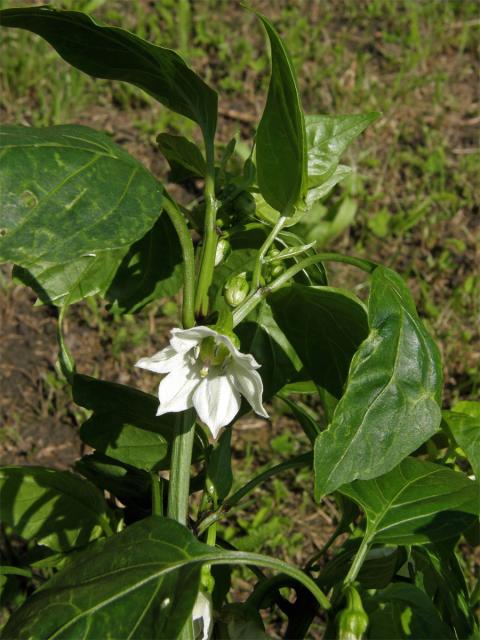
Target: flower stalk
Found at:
x=179, y=484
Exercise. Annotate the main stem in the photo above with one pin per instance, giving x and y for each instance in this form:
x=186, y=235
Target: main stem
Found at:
x=207, y=263
x=179, y=484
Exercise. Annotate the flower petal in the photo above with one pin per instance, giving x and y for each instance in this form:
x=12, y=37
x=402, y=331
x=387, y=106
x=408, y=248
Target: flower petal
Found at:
x=183, y=340
x=216, y=401
x=246, y=358
x=248, y=382
x=164, y=361
x=175, y=390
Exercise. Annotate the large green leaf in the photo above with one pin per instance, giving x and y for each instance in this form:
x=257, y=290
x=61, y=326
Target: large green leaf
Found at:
x=415, y=503
x=327, y=139
x=184, y=157
x=391, y=401
x=116, y=54
x=325, y=326
x=403, y=611
x=55, y=508
x=124, y=425
x=141, y=583
x=281, y=140
x=152, y=268
x=72, y=202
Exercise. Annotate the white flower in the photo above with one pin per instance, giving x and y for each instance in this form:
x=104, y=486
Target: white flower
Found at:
x=207, y=372
x=202, y=617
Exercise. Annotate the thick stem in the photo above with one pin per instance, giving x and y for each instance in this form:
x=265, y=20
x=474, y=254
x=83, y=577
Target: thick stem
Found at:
x=207, y=262
x=241, y=312
x=179, y=484
x=178, y=221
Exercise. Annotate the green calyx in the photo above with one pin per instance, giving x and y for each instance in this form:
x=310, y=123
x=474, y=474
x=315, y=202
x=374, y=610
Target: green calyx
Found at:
x=353, y=621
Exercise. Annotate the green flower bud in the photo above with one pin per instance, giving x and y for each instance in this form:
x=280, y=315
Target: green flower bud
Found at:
x=236, y=289
x=222, y=250
x=353, y=621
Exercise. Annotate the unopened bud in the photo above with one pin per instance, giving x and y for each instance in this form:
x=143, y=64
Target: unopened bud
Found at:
x=236, y=289
x=353, y=621
x=222, y=250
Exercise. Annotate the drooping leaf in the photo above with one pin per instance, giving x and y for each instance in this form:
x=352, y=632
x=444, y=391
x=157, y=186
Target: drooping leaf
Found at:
x=55, y=508
x=151, y=269
x=72, y=202
x=403, y=611
x=124, y=425
x=391, y=401
x=465, y=430
x=184, y=157
x=327, y=139
x=416, y=503
x=281, y=149
x=438, y=574
x=116, y=54
x=140, y=583
x=325, y=327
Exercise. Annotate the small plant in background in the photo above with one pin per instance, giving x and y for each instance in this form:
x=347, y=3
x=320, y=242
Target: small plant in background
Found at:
x=119, y=549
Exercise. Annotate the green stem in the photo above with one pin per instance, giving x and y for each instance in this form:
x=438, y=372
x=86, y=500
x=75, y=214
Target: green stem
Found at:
x=181, y=461
x=358, y=561
x=207, y=262
x=260, y=294
x=178, y=221
x=157, y=495
x=269, y=240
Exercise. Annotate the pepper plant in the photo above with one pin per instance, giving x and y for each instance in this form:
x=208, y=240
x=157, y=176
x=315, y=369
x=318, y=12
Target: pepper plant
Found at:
x=118, y=548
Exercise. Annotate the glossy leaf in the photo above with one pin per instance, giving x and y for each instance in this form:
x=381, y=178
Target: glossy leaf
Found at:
x=465, y=429
x=116, y=54
x=219, y=470
x=325, y=327
x=327, y=139
x=72, y=203
x=140, y=583
x=184, y=157
x=124, y=425
x=281, y=149
x=391, y=401
x=152, y=268
x=320, y=191
x=55, y=508
x=403, y=611
x=416, y=503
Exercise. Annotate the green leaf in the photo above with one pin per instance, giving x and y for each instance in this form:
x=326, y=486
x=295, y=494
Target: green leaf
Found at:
x=239, y=621
x=281, y=148
x=72, y=203
x=325, y=327
x=261, y=336
x=55, y=508
x=438, y=573
x=320, y=191
x=184, y=157
x=152, y=268
x=115, y=54
x=403, y=611
x=465, y=430
x=124, y=425
x=327, y=139
x=416, y=503
x=391, y=400
x=141, y=583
